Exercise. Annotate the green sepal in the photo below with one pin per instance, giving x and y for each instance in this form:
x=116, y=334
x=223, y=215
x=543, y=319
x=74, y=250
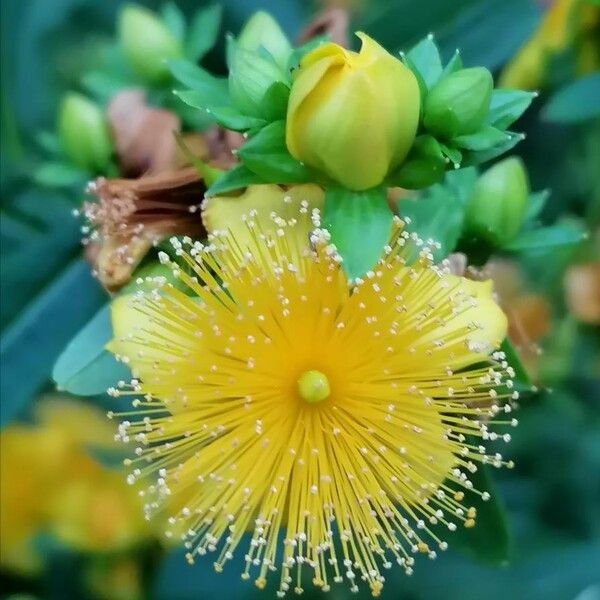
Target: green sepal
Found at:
x=266, y=154
x=424, y=166
x=476, y=157
x=273, y=106
x=238, y=177
x=506, y=106
x=360, y=226
x=425, y=58
x=454, y=64
x=454, y=155
x=486, y=138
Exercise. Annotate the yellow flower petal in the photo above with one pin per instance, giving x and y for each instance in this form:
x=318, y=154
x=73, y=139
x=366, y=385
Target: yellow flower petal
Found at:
x=226, y=213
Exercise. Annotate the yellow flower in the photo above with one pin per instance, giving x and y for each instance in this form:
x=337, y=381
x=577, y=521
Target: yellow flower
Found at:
x=276, y=398
x=49, y=483
x=352, y=115
x=566, y=22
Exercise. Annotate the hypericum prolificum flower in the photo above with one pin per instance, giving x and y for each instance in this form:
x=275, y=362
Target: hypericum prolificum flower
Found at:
x=338, y=423
x=352, y=115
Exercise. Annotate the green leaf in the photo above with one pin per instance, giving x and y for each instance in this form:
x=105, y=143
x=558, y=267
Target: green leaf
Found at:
x=489, y=541
x=209, y=90
x=203, y=33
x=85, y=368
x=360, y=226
x=266, y=155
x=576, y=102
x=425, y=58
x=561, y=234
x=174, y=19
x=236, y=178
x=275, y=101
x=436, y=218
x=484, y=139
x=33, y=341
x=60, y=175
x=507, y=106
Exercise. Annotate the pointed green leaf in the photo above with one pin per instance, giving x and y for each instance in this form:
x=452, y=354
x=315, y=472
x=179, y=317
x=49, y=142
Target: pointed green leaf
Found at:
x=360, y=226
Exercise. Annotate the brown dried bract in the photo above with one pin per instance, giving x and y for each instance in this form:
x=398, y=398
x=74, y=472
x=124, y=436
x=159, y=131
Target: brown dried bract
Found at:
x=333, y=22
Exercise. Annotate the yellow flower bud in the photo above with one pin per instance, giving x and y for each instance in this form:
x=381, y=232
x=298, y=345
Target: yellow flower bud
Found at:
x=352, y=115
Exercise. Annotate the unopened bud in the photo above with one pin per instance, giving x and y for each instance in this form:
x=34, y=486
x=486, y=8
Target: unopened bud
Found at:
x=262, y=30
x=496, y=209
x=84, y=133
x=147, y=43
x=459, y=103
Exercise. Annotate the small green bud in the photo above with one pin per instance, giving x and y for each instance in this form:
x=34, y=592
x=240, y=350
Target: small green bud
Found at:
x=496, y=208
x=84, y=133
x=459, y=103
x=262, y=30
x=147, y=43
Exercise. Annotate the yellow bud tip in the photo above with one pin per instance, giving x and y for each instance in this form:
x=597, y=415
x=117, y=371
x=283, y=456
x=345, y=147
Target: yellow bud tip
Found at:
x=470, y=523
x=423, y=547
x=313, y=386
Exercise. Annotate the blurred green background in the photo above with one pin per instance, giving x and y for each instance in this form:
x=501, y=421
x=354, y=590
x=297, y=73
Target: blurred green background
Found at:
x=70, y=528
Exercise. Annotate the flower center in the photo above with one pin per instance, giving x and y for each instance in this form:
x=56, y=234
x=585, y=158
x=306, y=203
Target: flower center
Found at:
x=313, y=386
